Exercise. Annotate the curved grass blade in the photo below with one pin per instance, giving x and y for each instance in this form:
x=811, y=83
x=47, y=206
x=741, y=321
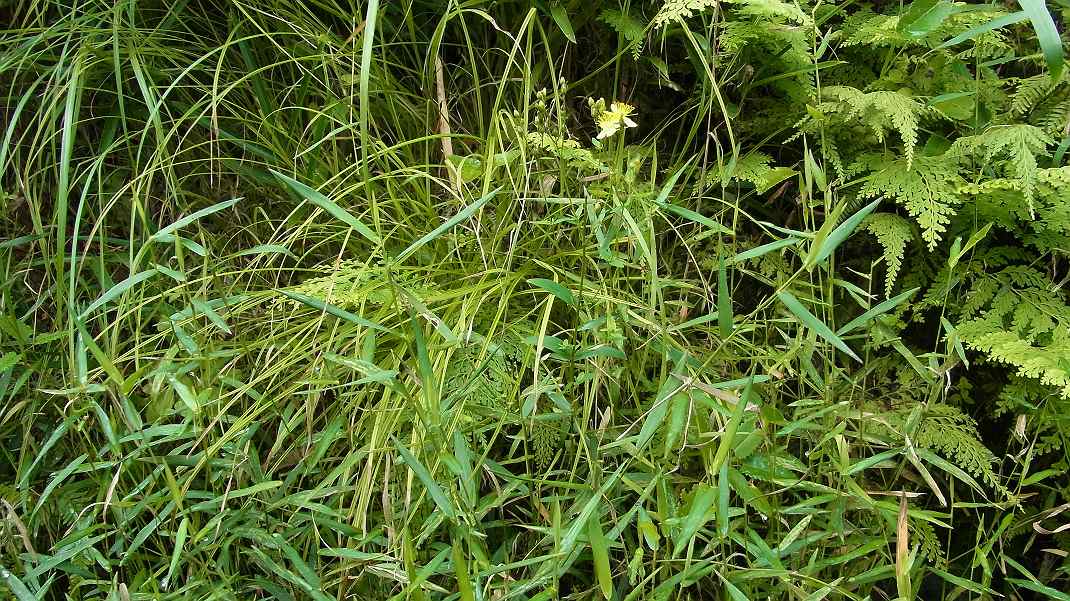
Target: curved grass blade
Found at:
x=1048, y=36
x=316, y=303
x=317, y=198
x=465, y=213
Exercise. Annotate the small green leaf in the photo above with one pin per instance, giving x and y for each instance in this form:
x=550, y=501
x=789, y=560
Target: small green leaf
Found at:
x=696, y=217
x=556, y=289
x=924, y=16
x=205, y=309
x=560, y=16
x=189, y=398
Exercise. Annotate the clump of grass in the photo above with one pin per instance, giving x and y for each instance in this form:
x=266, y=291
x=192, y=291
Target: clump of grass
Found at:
x=379, y=300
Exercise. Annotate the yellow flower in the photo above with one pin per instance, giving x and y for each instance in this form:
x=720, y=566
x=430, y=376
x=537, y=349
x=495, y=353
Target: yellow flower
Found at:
x=610, y=122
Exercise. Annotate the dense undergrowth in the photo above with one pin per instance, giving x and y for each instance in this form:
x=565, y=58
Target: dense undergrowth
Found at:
x=524, y=299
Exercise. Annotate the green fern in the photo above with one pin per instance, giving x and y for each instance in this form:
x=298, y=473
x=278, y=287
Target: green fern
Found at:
x=568, y=151
x=879, y=111
x=866, y=28
x=354, y=283
x=632, y=29
x=771, y=10
x=486, y=374
x=1014, y=316
x=678, y=10
x=1017, y=145
x=754, y=168
x=928, y=190
x=893, y=233
x=948, y=431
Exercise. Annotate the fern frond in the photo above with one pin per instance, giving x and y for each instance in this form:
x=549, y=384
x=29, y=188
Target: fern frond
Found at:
x=678, y=10
x=953, y=434
x=569, y=151
x=928, y=191
x=875, y=30
x=879, y=111
x=1018, y=145
x=946, y=430
x=1013, y=316
x=771, y=10
x=754, y=168
x=893, y=233
x=1031, y=91
x=354, y=283
x=631, y=28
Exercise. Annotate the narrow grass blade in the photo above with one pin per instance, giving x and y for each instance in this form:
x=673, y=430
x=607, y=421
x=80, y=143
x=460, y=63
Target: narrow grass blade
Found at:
x=811, y=321
x=462, y=215
x=16, y=586
x=758, y=251
x=117, y=290
x=823, y=249
x=176, y=554
x=316, y=303
x=433, y=489
x=724, y=301
x=600, y=551
x=1048, y=36
x=317, y=198
x=876, y=310
x=183, y=222
x=729, y=434
x=973, y=32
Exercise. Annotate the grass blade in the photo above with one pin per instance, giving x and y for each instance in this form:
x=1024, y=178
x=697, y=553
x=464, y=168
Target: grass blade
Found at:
x=317, y=198
x=462, y=215
x=876, y=310
x=437, y=495
x=1048, y=36
x=811, y=321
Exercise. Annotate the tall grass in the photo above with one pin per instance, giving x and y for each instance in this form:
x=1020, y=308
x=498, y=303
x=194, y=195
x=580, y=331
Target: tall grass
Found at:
x=265, y=339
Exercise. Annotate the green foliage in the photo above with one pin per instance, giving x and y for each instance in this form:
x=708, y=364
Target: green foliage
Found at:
x=893, y=233
x=678, y=10
x=533, y=300
x=928, y=189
